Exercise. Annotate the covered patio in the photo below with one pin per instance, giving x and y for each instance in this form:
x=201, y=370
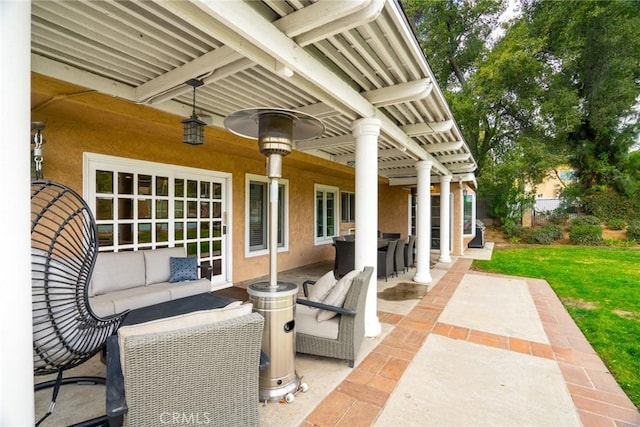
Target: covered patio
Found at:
x=446, y=358
x=113, y=80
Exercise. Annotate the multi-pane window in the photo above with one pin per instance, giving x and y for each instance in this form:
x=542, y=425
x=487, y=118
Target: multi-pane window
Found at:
x=257, y=221
x=469, y=214
x=139, y=205
x=325, y=213
x=347, y=207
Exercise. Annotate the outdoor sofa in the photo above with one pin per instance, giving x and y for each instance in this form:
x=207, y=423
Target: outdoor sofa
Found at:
x=124, y=281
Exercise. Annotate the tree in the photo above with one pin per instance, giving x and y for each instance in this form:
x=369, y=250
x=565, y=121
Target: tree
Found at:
x=491, y=85
x=559, y=85
x=595, y=49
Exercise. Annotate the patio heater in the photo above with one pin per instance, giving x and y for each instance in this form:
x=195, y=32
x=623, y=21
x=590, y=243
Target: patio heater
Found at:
x=275, y=129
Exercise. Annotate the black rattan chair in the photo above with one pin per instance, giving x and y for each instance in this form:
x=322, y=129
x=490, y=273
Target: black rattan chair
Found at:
x=64, y=247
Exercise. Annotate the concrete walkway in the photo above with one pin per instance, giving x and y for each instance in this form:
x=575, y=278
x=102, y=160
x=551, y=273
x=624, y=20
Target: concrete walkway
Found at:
x=479, y=350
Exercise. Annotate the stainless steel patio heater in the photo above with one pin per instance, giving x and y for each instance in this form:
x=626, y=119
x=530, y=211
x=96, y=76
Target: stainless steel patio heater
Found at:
x=275, y=129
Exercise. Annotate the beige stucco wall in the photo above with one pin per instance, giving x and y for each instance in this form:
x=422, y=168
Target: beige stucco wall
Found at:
x=79, y=122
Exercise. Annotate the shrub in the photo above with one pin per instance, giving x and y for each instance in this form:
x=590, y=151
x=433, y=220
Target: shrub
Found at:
x=545, y=235
x=585, y=234
x=586, y=220
x=616, y=224
x=633, y=231
x=609, y=204
x=511, y=229
x=558, y=217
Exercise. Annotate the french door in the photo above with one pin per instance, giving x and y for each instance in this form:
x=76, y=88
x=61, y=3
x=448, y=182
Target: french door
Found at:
x=143, y=205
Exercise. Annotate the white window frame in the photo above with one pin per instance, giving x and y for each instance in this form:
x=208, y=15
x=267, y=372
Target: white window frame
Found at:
x=473, y=214
x=326, y=239
x=94, y=161
x=351, y=208
x=248, y=253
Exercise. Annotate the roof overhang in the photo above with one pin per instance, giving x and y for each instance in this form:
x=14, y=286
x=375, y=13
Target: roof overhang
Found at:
x=338, y=61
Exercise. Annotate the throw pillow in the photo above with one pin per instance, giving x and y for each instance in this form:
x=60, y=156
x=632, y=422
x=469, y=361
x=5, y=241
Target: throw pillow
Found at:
x=337, y=295
x=183, y=268
x=319, y=290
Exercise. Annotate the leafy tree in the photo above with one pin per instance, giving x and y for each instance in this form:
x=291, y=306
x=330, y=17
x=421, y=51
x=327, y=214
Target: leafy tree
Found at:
x=595, y=49
x=492, y=86
x=560, y=84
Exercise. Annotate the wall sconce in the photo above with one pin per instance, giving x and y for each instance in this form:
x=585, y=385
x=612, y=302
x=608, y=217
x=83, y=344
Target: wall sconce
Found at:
x=193, y=127
x=38, y=140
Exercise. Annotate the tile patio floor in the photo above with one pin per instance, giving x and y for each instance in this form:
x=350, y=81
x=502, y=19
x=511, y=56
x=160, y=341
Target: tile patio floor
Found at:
x=513, y=354
x=477, y=349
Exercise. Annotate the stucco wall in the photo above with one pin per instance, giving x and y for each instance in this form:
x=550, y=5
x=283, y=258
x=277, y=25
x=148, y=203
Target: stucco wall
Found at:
x=78, y=122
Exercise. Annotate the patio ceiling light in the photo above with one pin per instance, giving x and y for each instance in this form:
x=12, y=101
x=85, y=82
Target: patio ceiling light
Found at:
x=193, y=127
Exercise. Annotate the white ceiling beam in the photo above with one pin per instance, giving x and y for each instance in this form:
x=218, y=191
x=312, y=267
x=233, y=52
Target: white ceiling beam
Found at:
x=361, y=17
x=196, y=68
x=465, y=167
x=403, y=92
x=247, y=31
x=309, y=18
x=319, y=110
x=67, y=73
x=395, y=182
x=318, y=144
x=382, y=154
x=317, y=15
x=105, y=86
x=450, y=158
x=428, y=128
x=443, y=146
x=396, y=164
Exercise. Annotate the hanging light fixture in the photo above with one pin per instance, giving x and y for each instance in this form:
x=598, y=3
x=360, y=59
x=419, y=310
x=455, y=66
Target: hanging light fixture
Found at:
x=193, y=127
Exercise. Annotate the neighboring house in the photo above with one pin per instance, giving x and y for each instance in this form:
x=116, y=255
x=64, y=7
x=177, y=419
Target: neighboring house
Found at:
x=547, y=195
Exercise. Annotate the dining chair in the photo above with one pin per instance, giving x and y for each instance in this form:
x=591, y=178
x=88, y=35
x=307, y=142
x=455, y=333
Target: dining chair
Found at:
x=399, y=266
x=385, y=260
x=345, y=257
x=408, y=252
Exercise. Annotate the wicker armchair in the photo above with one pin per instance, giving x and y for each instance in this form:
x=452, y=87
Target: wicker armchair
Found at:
x=64, y=247
x=205, y=374
x=350, y=321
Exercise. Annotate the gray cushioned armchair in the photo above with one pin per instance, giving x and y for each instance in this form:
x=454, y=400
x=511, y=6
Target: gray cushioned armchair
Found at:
x=350, y=320
x=198, y=375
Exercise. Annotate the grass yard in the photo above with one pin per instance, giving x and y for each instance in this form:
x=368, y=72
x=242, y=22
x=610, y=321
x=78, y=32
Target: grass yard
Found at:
x=600, y=287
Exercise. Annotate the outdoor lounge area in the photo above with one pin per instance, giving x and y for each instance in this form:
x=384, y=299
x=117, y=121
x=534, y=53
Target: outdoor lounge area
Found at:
x=446, y=357
x=241, y=138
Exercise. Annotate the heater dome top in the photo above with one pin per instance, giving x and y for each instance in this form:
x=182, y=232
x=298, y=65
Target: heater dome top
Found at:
x=246, y=123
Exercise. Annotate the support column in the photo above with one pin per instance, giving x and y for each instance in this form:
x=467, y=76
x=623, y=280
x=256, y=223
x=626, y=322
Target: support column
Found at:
x=366, y=132
x=445, y=215
x=16, y=369
x=423, y=235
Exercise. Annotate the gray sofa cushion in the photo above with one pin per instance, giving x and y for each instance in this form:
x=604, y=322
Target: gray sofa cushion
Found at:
x=157, y=263
x=186, y=289
x=116, y=271
x=130, y=299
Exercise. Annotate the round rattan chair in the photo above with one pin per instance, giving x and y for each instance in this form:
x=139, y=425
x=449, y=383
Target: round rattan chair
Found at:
x=64, y=247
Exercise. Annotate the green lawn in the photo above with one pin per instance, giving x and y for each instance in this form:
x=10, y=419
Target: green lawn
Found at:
x=600, y=287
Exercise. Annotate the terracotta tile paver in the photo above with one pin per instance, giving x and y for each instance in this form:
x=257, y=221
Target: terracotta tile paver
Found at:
x=331, y=409
x=361, y=414
x=360, y=398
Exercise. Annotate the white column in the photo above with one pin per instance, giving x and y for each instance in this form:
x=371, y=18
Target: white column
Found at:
x=445, y=214
x=16, y=369
x=366, y=132
x=423, y=235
